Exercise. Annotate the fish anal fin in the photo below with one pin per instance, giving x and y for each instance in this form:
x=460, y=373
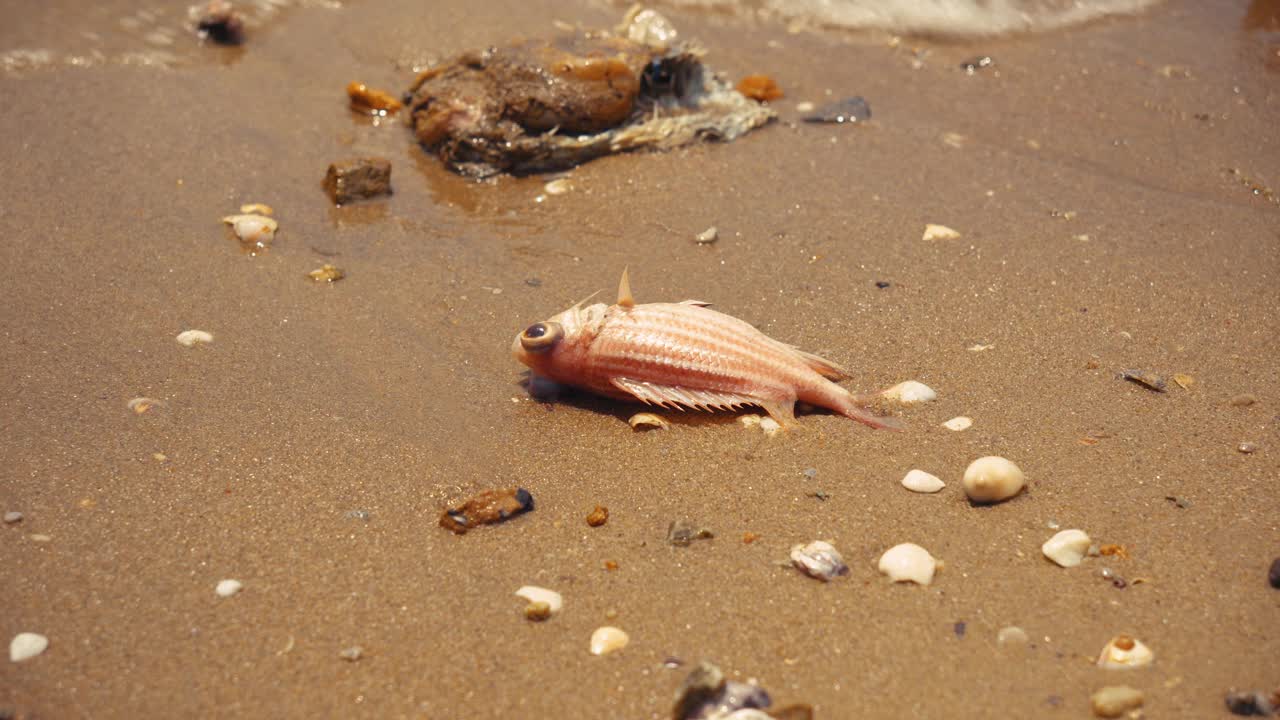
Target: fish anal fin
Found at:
x=784, y=411
x=822, y=366
x=676, y=396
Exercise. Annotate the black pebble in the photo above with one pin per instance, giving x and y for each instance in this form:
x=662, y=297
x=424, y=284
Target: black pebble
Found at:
x=882, y=284
x=960, y=627
x=1273, y=575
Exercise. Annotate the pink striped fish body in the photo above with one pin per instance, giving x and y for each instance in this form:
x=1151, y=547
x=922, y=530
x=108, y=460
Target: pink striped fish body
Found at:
x=683, y=355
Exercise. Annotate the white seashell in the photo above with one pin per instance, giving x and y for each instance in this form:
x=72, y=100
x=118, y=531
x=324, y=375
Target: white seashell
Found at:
x=958, y=423
x=1125, y=652
x=607, y=640
x=534, y=594
x=708, y=236
x=1115, y=701
x=910, y=392
x=27, y=645
x=142, y=404
x=642, y=421
x=1012, y=635
x=939, y=232
x=818, y=560
x=227, y=588
x=191, y=337
x=908, y=562
x=770, y=426
x=648, y=27
x=252, y=229
x=1067, y=548
x=558, y=187
x=922, y=482
x=750, y=421
x=258, y=208
x=992, y=479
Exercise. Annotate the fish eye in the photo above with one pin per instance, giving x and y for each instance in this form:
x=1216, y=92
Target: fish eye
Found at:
x=540, y=337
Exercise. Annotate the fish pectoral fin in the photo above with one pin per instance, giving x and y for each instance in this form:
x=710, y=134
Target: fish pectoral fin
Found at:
x=820, y=365
x=675, y=396
x=696, y=303
x=784, y=411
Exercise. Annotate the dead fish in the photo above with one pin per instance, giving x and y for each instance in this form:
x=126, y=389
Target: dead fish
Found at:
x=684, y=355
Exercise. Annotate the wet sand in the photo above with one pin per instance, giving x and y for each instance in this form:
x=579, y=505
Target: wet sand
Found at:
x=1100, y=221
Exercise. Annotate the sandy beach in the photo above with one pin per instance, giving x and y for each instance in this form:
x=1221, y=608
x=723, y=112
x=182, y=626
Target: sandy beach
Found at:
x=1116, y=190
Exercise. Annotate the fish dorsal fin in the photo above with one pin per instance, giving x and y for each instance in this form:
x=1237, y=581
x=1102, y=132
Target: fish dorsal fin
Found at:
x=675, y=396
x=822, y=366
x=625, y=299
x=695, y=303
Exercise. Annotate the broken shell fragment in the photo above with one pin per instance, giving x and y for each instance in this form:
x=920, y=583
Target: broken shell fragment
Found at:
x=370, y=101
x=956, y=424
x=608, y=639
x=707, y=236
x=770, y=426
x=486, y=508
x=1067, y=548
x=1148, y=380
x=1125, y=652
x=647, y=27
x=27, y=645
x=682, y=533
x=992, y=479
x=759, y=87
x=909, y=393
x=540, y=596
x=647, y=421
x=327, y=273
x=253, y=229
x=939, y=232
x=357, y=179
x=189, y=338
x=141, y=405
x=1114, y=701
x=257, y=208
x=819, y=560
x=227, y=588
x=559, y=186
x=922, y=482
x=908, y=562
x=707, y=695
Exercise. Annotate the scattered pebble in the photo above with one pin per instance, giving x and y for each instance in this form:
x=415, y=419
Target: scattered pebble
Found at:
x=992, y=479
x=27, y=645
x=973, y=65
x=959, y=628
x=39, y=537
x=1067, y=548
x=908, y=562
x=540, y=595
x=351, y=654
x=819, y=560
x=1178, y=502
x=358, y=179
x=257, y=208
x=805, y=107
x=141, y=405
x=598, y=517
x=358, y=515
x=708, y=236
x=909, y=393
x=218, y=21
x=253, y=230
x=761, y=88
x=371, y=101
x=922, y=482
x=1273, y=575
x=749, y=537
x=1244, y=400
x=1115, y=700
x=647, y=421
x=1148, y=380
x=327, y=273
x=1255, y=703
x=707, y=695
x=1012, y=635
x=1125, y=652
x=1247, y=447
x=189, y=338
x=559, y=186
x=227, y=588
x=682, y=533
x=939, y=232
x=11, y=517
x=849, y=110
x=883, y=284
x=959, y=423
x=608, y=639
x=486, y=508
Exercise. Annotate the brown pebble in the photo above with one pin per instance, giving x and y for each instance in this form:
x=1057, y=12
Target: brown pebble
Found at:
x=1092, y=364
x=537, y=611
x=370, y=101
x=1116, y=550
x=598, y=517
x=1244, y=400
x=486, y=508
x=749, y=537
x=1247, y=447
x=759, y=87
x=610, y=565
x=358, y=179
x=327, y=273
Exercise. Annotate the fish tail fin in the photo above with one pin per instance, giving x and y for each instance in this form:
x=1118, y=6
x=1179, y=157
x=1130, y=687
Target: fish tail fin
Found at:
x=854, y=407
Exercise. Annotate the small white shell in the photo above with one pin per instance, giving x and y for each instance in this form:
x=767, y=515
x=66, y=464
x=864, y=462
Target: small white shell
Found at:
x=253, y=229
x=608, y=639
x=770, y=426
x=648, y=27
x=558, y=187
x=992, y=479
x=1125, y=652
x=27, y=645
x=939, y=232
x=818, y=560
x=910, y=392
x=189, y=338
x=922, y=482
x=534, y=594
x=142, y=404
x=1067, y=548
x=708, y=236
x=645, y=421
x=1012, y=635
x=958, y=423
x=908, y=562
x=227, y=588
x=750, y=421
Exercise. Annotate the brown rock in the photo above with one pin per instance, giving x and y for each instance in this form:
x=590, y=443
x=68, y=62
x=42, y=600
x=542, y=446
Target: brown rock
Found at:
x=598, y=517
x=486, y=508
x=358, y=179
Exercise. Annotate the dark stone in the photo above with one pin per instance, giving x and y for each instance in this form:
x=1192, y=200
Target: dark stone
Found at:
x=220, y=23
x=1250, y=703
x=1273, y=575
x=358, y=179
x=882, y=284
